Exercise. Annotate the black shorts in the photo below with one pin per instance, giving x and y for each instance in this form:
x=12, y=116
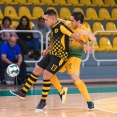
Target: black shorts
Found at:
x=51, y=63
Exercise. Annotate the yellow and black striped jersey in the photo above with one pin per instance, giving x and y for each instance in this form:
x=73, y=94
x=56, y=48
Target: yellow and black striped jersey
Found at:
x=59, y=40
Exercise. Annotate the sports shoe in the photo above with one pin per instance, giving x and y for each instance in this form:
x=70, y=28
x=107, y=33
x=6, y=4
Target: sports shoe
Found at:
x=41, y=105
x=90, y=105
x=18, y=93
x=63, y=95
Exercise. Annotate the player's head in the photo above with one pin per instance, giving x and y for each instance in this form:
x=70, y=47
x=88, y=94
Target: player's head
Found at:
x=50, y=17
x=77, y=18
x=12, y=41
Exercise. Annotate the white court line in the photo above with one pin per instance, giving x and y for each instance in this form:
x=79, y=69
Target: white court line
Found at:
x=103, y=109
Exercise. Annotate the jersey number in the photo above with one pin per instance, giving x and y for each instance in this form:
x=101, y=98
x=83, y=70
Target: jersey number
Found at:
x=54, y=67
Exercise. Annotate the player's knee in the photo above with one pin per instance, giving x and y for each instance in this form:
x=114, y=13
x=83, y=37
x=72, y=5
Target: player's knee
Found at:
x=74, y=77
x=47, y=75
x=37, y=71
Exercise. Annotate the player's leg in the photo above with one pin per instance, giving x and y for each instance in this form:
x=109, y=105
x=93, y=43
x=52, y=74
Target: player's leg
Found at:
x=62, y=90
x=45, y=89
x=32, y=78
x=55, y=64
x=30, y=81
x=83, y=89
x=73, y=70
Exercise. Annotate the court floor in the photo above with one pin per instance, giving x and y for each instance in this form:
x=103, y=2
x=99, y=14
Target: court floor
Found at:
x=104, y=97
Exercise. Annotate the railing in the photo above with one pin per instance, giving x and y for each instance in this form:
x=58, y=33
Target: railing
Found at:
x=93, y=54
x=84, y=60
x=30, y=31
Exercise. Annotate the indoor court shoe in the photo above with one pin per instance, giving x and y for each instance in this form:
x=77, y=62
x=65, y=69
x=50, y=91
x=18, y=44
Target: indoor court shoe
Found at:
x=18, y=93
x=63, y=95
x=90, y=105
x=40, y=106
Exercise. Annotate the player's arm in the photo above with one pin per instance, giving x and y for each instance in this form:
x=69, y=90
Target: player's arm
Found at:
x=19, y=57
x=63, y=21
x=77, y=38
x=66, y=31
x=4, y=58
x=90, y=36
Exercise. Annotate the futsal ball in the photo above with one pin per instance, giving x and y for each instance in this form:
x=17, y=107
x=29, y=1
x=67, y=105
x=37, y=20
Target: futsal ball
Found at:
x=13, y=70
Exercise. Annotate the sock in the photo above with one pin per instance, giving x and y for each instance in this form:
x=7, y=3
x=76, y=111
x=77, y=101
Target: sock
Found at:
x=83, y=89
x=54, y=80
x=30, y=81
x=45, y=89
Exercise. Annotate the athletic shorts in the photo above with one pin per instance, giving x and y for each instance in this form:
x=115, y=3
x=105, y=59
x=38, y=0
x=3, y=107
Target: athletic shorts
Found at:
x=51, y=63
x=72, y=66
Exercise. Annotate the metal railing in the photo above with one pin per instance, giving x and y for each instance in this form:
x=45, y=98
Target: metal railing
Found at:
x=93, y=54
x=84, y=60
x=29, y=31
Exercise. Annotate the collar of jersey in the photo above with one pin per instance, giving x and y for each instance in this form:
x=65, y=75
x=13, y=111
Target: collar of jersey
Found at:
x=56, y=24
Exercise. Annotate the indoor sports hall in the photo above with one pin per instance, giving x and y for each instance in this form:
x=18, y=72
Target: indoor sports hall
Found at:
x=98, y=70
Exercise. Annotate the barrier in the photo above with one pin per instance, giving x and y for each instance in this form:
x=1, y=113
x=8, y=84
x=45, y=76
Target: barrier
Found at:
x=83, y=61
x=30, y=31
x=93, y=54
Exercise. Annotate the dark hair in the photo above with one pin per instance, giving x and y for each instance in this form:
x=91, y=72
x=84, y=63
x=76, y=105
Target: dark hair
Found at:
x=41, y=18
x=6, y=18
x=28, y=22
x=50, y=12
x=78, y=16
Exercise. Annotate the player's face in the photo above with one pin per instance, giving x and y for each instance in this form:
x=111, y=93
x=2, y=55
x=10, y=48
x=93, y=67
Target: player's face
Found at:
x=74, y=23
x=48, y=20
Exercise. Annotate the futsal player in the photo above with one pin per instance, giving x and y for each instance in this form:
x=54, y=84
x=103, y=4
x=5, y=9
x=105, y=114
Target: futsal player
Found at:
x=72, y=66
x=54, y=59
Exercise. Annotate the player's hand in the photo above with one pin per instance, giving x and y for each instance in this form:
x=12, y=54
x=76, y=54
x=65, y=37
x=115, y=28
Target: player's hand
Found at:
x=88, y=49
x=43, y=53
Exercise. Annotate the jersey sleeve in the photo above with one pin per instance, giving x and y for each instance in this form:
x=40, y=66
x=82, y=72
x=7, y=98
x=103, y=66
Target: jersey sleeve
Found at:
x=84, y=37
x=65, y=30
x=68, y=23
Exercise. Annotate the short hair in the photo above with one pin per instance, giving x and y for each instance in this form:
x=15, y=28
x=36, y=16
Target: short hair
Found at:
x=41, y=18
x=78, y=16
x=50, y=12
x=6, y=18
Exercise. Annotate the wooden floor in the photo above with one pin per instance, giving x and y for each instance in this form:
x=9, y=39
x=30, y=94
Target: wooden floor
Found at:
x=105, y=103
